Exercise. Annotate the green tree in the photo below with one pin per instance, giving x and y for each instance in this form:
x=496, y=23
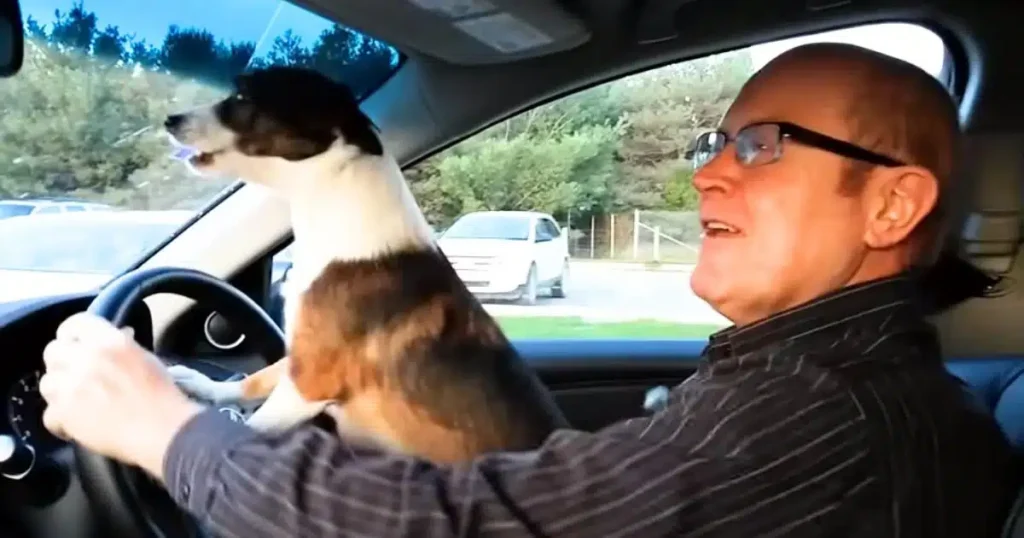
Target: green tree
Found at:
x=75, y=29
x=495, y=172
x=191, y=52
x=77, y=121
x=610, y=148
x=339, y=52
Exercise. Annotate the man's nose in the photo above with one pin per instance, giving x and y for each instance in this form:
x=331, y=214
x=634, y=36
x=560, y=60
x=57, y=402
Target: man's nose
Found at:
x=718, y=174
x=174, y=121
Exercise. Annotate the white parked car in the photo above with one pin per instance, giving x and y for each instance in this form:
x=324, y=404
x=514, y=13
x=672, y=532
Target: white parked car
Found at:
x=41, y=206
x=508, y=255
x=52, y=254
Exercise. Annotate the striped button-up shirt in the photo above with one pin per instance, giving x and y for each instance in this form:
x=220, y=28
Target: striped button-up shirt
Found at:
x=834, y=419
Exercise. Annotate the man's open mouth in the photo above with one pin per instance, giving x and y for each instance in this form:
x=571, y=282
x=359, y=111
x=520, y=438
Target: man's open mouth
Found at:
x=717, y=228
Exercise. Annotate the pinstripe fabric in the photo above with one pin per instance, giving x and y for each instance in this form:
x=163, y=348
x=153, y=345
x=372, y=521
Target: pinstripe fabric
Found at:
x=834, y=419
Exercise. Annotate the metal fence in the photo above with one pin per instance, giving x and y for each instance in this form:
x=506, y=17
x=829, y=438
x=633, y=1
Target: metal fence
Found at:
x=641, y=235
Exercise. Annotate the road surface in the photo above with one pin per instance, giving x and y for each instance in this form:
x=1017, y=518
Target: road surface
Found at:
x=608, y=291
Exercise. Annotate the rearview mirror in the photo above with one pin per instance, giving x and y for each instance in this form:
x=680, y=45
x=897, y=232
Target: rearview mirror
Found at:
x=12, y=38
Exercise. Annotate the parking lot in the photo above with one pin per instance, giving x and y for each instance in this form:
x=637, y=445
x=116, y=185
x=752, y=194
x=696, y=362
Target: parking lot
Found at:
x=616, y=291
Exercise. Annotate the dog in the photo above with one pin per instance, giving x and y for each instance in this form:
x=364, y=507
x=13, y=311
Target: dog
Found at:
x=384, y=337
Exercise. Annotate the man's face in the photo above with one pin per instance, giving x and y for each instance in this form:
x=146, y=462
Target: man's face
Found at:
x=796, y=235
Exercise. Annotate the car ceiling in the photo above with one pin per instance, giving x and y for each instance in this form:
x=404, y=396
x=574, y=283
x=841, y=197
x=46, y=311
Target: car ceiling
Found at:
x=451, y=87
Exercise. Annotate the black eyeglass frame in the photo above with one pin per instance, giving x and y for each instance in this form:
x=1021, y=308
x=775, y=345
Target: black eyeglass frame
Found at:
x=806, y=137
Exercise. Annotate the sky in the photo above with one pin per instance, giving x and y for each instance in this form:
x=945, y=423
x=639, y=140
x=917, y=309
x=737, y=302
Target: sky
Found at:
x=229, y=20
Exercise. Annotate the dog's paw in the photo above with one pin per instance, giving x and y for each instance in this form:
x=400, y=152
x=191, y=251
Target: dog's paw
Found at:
x=202, y=388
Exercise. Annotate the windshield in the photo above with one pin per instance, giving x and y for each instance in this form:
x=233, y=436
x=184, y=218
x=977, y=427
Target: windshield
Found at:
x=81, y=121
x=82, y=242
x=14, y=210
x=490, y=226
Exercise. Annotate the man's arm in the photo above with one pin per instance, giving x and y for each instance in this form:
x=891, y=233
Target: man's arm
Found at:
x=671, y=474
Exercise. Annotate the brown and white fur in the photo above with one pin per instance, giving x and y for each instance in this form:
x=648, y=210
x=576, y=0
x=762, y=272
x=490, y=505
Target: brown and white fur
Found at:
x=385, y=337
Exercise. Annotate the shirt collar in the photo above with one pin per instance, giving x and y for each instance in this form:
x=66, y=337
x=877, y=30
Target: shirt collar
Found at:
x=859, y=303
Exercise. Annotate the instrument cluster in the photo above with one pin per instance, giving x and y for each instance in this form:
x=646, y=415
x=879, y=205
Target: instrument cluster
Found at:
x=25, y=408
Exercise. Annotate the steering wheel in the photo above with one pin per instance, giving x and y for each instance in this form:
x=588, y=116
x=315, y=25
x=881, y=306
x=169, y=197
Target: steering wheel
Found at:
x=116, y=490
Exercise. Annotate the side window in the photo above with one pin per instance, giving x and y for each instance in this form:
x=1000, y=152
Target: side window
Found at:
x=73, y=208
x=281, y=264
x=46, y=210
x=542, y=232
x=551, y=227
x=607, y=163
x=281, y=290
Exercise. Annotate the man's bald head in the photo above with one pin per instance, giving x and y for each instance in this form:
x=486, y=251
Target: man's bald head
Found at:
x=892, y=107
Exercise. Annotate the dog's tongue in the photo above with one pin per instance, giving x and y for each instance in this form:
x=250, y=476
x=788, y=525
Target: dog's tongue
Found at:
x=184, y=153
x=181, y=152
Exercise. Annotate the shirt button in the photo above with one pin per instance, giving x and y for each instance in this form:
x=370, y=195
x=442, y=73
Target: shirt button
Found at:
x=185, y=492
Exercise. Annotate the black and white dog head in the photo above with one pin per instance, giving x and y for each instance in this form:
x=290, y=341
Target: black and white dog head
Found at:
x=277, y=115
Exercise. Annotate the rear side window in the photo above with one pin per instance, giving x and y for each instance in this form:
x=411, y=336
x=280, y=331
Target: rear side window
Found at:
x=541, y=231
x=551, y=227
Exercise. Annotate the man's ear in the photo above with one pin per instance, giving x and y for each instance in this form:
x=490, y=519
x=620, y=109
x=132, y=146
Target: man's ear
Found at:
x=898, y=200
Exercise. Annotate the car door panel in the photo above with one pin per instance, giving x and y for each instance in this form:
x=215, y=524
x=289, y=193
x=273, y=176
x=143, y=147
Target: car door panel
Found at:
x=545, y=249
x=557, y=249
x=537, y=250
x=551, y=251
x=598, y=382
x=541, y=245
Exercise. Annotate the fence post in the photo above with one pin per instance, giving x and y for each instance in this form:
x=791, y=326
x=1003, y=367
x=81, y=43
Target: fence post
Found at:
x=636, y=233
x=611, y=232
x=568, y=233
x=657, y=243
x=592, y=219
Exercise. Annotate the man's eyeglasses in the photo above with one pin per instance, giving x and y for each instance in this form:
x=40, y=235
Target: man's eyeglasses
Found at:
x=761, y=143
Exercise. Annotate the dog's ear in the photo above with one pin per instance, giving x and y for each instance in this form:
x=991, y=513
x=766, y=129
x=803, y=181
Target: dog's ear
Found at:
x=357, y=129
x=345, y=92
x=353, y=124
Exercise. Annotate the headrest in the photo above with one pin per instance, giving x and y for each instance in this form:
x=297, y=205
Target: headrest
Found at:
x=987, y=200
x=984, y=212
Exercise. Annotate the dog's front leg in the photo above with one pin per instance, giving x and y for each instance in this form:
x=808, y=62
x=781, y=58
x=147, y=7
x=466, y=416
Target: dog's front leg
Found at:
x=253, y=389
x=284, y=407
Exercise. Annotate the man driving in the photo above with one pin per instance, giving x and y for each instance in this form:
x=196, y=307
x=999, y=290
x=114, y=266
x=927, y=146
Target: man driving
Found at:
x=825, y=410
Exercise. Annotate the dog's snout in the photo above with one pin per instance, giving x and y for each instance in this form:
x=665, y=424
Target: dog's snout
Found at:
x=174, y=121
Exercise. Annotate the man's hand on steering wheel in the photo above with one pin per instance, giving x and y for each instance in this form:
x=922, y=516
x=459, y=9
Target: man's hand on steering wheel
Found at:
x=110, y=395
